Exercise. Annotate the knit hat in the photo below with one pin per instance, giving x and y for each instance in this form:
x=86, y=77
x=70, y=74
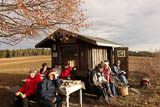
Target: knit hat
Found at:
x=106, y=62
x=51, y=72
x=100, y=65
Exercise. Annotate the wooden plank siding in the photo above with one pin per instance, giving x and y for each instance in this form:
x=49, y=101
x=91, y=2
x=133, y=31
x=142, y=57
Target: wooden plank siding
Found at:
x=98, y=54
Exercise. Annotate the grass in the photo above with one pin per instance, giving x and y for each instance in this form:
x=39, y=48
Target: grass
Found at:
x=13, y=70
x=21, y=65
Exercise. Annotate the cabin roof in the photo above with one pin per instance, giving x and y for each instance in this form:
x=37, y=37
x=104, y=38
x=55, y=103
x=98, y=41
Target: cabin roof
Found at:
x=47, y=42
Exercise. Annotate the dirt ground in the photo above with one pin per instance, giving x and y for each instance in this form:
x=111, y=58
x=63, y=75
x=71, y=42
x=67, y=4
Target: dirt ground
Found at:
x=13, y=70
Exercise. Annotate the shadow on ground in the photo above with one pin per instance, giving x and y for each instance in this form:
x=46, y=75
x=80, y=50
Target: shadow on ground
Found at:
x=7, y=81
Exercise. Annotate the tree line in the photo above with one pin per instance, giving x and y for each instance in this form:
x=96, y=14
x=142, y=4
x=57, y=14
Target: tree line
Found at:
x=141, y=53
x=23, y=52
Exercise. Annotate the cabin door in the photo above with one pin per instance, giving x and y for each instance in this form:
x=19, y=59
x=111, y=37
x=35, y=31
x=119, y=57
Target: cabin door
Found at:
x=121, y=54
x=69, y=54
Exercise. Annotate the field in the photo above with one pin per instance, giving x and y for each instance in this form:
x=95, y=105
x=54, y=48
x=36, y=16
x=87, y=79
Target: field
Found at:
x=13, y=70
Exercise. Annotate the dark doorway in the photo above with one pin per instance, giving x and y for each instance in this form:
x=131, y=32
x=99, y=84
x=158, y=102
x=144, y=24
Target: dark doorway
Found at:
x=69, y=54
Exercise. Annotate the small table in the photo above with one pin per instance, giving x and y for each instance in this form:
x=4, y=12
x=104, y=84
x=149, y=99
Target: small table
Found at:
x=71, y=87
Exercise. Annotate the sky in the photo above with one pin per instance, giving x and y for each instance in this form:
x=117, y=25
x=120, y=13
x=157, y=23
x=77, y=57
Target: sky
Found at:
x=132, y=23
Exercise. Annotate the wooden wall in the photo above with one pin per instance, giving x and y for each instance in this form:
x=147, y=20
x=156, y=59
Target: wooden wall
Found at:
x=98, y=54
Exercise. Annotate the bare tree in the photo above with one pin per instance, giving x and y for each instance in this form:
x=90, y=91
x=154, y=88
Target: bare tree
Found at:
x=27, y=18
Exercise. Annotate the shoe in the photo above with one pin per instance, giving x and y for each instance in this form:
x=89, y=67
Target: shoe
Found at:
x=100, y=99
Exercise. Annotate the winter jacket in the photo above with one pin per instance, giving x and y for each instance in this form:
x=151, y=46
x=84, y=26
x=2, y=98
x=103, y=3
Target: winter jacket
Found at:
x=30, y=86
x=116, y=69
x=66, y=73
x=107, y=73
x=48, y=88
x=98, y=77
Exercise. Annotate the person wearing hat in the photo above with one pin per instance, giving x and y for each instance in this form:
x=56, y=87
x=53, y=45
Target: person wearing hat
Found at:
x=28, y=90
x=57, y=68
x=99, y=80
x=120, y=74
x=108, y=72
x=66, y=71
x=47, y=90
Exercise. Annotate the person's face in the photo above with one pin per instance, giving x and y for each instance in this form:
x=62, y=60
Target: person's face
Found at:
x=32, y=75
x=51, y=76
x=106, y=65
x=118, y=64
x=66, y=66
x=100, y=69
x=56, y=66
x=45, y=67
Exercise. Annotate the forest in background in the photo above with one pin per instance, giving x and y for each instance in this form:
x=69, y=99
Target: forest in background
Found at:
x=142, y=53
x=23, y=52
x=35, y=52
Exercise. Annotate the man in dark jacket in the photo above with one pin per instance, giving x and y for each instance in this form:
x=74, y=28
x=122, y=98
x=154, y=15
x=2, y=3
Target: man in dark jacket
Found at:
x=100, y=82
x=47, y=88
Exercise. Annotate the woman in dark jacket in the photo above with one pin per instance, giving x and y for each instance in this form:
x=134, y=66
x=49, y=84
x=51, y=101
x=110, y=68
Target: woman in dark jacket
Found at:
x=47, y=88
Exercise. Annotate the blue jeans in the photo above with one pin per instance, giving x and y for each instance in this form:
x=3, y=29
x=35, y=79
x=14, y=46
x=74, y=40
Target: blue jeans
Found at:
x=113, y=89
x=124, y=79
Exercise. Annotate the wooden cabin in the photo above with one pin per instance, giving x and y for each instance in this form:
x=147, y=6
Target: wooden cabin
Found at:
x=82, y=52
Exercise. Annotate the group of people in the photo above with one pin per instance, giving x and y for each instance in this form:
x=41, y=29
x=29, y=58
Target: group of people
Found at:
x=41, y=86
x=103, y=78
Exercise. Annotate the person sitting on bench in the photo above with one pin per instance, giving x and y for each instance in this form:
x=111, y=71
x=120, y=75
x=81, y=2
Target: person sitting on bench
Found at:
x=107, y=72
x=119, y=73
x=66, y=71
x=47, y=90
x=57, y=68
x=44, y=69
x=99, y=81
x=28, y=90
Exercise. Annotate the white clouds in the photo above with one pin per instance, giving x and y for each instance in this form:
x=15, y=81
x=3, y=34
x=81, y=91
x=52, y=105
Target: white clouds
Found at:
x=134, y=23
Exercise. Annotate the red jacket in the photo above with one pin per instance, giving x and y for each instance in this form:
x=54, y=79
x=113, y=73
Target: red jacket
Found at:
x=106, y=73
x=30, y=85
x=66, y=73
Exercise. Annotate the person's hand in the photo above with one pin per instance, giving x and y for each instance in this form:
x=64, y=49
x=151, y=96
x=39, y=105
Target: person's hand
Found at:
x=100, y=85
x=52, y=100
x=111, y=81
x=56, y=75
x=24, y=96
x=17, y=93
x=113, y=74
x=107, y=82
x=123, y=72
